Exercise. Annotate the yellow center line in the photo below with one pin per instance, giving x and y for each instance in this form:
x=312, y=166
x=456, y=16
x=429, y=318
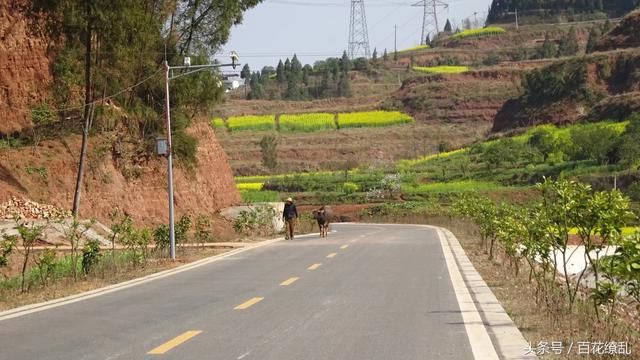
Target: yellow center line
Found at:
x=174, y=342
x=331, y=255
x=289, y=281
x=344, y=246
x=248, y=303
x=314, y=266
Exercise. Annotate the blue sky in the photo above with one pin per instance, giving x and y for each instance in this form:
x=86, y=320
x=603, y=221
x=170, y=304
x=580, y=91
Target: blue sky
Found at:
x=317, y=29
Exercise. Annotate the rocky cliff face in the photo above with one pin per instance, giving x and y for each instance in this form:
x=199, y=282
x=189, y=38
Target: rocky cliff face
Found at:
x=25, y=71
x=47, y=174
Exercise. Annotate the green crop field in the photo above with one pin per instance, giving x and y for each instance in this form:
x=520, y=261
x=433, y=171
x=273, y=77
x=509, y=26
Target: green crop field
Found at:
x=441, y=69
x=252, y=122
x=307, y=122
x=372, y=119
x=453, y=186
x=487, y=31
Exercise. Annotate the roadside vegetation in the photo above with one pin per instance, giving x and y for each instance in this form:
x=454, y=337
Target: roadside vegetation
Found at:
x=33, y=272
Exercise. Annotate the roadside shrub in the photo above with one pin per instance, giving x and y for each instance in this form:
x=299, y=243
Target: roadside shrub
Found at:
x=90, y=255
x=258, y=220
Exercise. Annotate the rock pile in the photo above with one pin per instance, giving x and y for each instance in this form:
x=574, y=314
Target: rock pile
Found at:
x=27, y=209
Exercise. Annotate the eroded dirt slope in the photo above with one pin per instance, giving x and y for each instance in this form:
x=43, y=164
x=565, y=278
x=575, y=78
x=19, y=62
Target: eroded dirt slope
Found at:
x=25, y=72
x=47, y=174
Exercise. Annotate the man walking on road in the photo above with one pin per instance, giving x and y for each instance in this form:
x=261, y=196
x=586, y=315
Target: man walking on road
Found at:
x=289, y=215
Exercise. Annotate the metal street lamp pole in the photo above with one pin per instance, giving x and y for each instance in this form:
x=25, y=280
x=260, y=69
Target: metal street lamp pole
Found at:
x=172, y=233
x=167, y=77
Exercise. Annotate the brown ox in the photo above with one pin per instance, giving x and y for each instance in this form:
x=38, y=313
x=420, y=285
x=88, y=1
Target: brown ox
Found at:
x=323, y=216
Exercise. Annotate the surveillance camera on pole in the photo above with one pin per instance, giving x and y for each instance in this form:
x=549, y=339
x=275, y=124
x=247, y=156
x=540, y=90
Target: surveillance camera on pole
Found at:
x=163, y=146
x=235, y=59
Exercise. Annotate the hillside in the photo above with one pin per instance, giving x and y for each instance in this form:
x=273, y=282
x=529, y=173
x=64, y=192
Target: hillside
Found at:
x=531, y=11
x=594, y=87
x=624, y=35
x=25, y=74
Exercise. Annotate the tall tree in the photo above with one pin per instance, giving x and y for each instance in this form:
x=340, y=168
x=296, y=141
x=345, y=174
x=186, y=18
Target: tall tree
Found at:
x=280, y=72
x=206, y=24
x=385, y=56
x=246, y=72
x=569, y=44
x=548, y=48
x=447, y=27
x=594, y=34
x=374, y=57
x=345, y=63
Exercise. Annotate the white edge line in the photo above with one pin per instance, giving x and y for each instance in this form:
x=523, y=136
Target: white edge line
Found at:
x=33, y=308
x=479, y=339
x=481, y=345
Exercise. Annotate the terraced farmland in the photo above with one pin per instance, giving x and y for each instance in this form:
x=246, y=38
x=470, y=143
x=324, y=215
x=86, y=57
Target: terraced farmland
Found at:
x=372, y=119
x=307, y=122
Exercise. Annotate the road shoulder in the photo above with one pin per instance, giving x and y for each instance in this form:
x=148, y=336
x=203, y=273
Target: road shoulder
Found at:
x=505, y=335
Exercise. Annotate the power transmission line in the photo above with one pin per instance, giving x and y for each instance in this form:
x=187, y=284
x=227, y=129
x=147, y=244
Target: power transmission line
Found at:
x=358, y=34
x=430, y=16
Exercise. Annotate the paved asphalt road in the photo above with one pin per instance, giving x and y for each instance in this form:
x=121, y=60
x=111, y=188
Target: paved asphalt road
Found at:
x=380, y=292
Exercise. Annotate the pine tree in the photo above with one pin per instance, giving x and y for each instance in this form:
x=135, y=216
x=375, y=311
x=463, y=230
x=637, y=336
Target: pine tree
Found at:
x=306, y=72
x=374, y=57
x=287, y=67
x=345, y=63
x=593, y=39
x=447, y=27
x=606, y=27
x=569, y=44
x=296, y=67
x=246, y=72
x=385, y=56
x=280, y=72
x=344, y=86
x=548, y=48
x=325, y=83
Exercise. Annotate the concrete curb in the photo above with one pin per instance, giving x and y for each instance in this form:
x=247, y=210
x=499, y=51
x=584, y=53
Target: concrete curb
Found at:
x=32, y=308
x=507, y=340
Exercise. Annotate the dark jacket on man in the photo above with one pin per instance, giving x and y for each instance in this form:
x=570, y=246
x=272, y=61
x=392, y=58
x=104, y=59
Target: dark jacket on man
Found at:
x=290, y=211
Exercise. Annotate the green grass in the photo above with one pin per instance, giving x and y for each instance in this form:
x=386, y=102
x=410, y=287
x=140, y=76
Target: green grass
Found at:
x=453, y=186
x=307, y=122
x=260, y=196
x=415, y=48
x=372, y=119
x=251, y=122
x=406, y=164
x=441, y=69
x=487, y=31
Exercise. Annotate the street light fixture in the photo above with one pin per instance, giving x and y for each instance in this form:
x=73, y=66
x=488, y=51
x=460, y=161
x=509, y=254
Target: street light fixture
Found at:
x=165, y=145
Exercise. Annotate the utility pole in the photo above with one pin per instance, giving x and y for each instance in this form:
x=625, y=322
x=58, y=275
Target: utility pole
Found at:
x=430, y=16
x=516, y=19
x=395, y=38
x=168, y=75
x=358, y=33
